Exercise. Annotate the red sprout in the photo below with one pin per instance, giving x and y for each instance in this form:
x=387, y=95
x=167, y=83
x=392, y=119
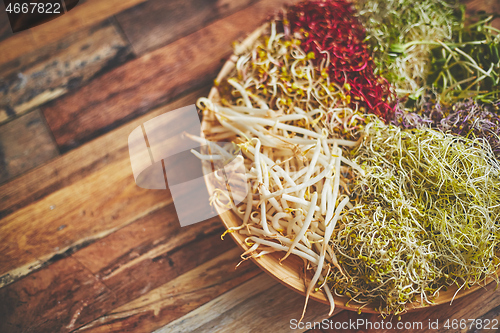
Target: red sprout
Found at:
x=332, y=26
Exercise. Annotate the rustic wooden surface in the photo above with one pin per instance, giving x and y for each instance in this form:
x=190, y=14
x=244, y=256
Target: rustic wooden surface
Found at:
x=85, y=249
x=54, y=70
x=24, y=143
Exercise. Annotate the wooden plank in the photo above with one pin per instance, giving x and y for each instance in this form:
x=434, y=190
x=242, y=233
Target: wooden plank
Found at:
x=58, y=299
x=155, y=78
x=25, y=143
x=156, y=23
x=5, y=29
x=130, y=282
x=52, y=71
x=84, y=15
x=259, y=305
x=151, y=237
x=347, y=318
x=79, y=163
x=155, y=244
x=129, y=242
x=76, y=199
x=176, y=298
x=488, y=322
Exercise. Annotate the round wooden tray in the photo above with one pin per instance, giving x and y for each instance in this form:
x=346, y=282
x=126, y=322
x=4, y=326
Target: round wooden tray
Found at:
x=290, y=272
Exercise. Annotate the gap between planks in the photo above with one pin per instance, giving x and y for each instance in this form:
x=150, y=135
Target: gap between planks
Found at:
x=156, y=77
x=52, y=71
x=259, y=305
x=178, y=296
x=49, y=201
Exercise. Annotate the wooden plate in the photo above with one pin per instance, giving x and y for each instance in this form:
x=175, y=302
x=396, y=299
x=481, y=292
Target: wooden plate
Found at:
x=291, y=271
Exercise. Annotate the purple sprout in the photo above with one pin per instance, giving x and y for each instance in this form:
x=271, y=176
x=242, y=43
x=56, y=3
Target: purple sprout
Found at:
x=467, y=118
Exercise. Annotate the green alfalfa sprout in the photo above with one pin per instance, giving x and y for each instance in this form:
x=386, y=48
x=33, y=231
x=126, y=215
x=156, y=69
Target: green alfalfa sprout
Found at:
x=431, y=48
x=425, y=217
x=392, y=24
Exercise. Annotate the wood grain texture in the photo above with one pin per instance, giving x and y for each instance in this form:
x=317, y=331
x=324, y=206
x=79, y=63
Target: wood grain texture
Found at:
x=156, y=23
x=128, y=243
x=79, y=163
x=259, y=305
x=151, y=237
x=5, y=29
x=85, y=14
x=178, y=297
x=65, y=220
x=53, y=300
x=492, y=317
x=78, y=198
x=155, y=78
x=36, y=78
x=24, y=144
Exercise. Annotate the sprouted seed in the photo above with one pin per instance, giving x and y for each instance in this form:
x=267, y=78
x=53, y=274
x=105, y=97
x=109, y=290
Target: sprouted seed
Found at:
x=331, y=34
x=297, y=184
x=425, y=216
x=277, y=75
x=431, y=48
x=383, y=215
x=469, y=66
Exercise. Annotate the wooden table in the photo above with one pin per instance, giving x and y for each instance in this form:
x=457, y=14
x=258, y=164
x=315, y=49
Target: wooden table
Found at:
x=82, y=247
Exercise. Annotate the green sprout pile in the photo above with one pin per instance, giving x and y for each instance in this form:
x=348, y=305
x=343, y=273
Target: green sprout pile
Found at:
x=426, y=217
